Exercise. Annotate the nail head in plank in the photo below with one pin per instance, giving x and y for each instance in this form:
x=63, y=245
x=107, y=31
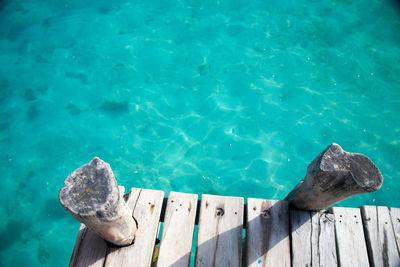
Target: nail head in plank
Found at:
x=350, y=242
x=219, y=239
x=177, y=234
x=146, y=205
x=395, y=216
x=380, y=238
x=268, y=242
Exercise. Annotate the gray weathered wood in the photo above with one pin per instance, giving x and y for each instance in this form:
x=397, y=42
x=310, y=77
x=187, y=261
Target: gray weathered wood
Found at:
x=268, y=241
x=379, y=235
x=90, y=249
x=91, y=195
x=333, y=176
x=301, y=230
x=324, y=240
x=395, y=217
x=219, y=239
x=315, y=246
x=312, y=239
x=350, y=242
x=177, y=234
x=146, y=205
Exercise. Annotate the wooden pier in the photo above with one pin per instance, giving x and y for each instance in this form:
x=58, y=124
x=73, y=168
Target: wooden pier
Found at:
x=296, y=231
x=260, y=232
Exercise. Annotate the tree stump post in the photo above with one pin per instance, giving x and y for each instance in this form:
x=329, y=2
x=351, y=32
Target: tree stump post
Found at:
x=334, y=175
x=91, y=195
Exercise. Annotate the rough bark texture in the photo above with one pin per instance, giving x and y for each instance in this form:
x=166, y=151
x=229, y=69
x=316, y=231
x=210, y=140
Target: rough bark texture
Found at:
x=333, y=176
x=91, y=195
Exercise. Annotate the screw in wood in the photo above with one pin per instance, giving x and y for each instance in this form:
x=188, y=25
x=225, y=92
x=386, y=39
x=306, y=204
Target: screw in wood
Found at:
x=220, y=212
x=266, y=213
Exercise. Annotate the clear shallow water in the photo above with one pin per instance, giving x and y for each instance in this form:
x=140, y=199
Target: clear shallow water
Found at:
x=220, y=97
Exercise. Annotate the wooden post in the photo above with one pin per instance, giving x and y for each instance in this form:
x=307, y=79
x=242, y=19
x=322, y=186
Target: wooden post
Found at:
x=91, y=195
x=333, y=176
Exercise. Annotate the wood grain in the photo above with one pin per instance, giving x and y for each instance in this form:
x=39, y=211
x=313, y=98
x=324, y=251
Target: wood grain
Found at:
x=301, y=230
x=312, y=238
x=380, y=238
x=177, y=234
x=146, y=205
x=90, y=249
x=219, y=241
x=351, y=247
x=268, y=242
x=395, y=217
x=324, y=241
x=333, y=176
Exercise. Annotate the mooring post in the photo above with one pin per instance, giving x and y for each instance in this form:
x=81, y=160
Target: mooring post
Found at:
x=91, y=195
x=333, y=176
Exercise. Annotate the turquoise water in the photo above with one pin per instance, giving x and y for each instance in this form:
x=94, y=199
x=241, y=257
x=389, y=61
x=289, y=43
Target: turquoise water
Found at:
x=220, y=97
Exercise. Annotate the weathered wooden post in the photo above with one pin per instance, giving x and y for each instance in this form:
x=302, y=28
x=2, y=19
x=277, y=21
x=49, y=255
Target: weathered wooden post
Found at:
x=91, y=195
x=333, y=176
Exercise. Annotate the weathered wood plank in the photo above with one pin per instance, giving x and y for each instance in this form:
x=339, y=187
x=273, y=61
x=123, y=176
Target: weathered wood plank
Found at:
x=395, y=217
x=350, y=242
x=313, y=238
x=177, y=234
x=301, y=230
x=146, y=205
x=90, y=249
x=219, y=239
x=379, y=235
x=267, y=233
x=324, y=239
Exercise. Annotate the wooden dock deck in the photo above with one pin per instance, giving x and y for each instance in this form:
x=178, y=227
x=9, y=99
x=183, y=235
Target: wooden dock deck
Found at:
x=260, y=232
